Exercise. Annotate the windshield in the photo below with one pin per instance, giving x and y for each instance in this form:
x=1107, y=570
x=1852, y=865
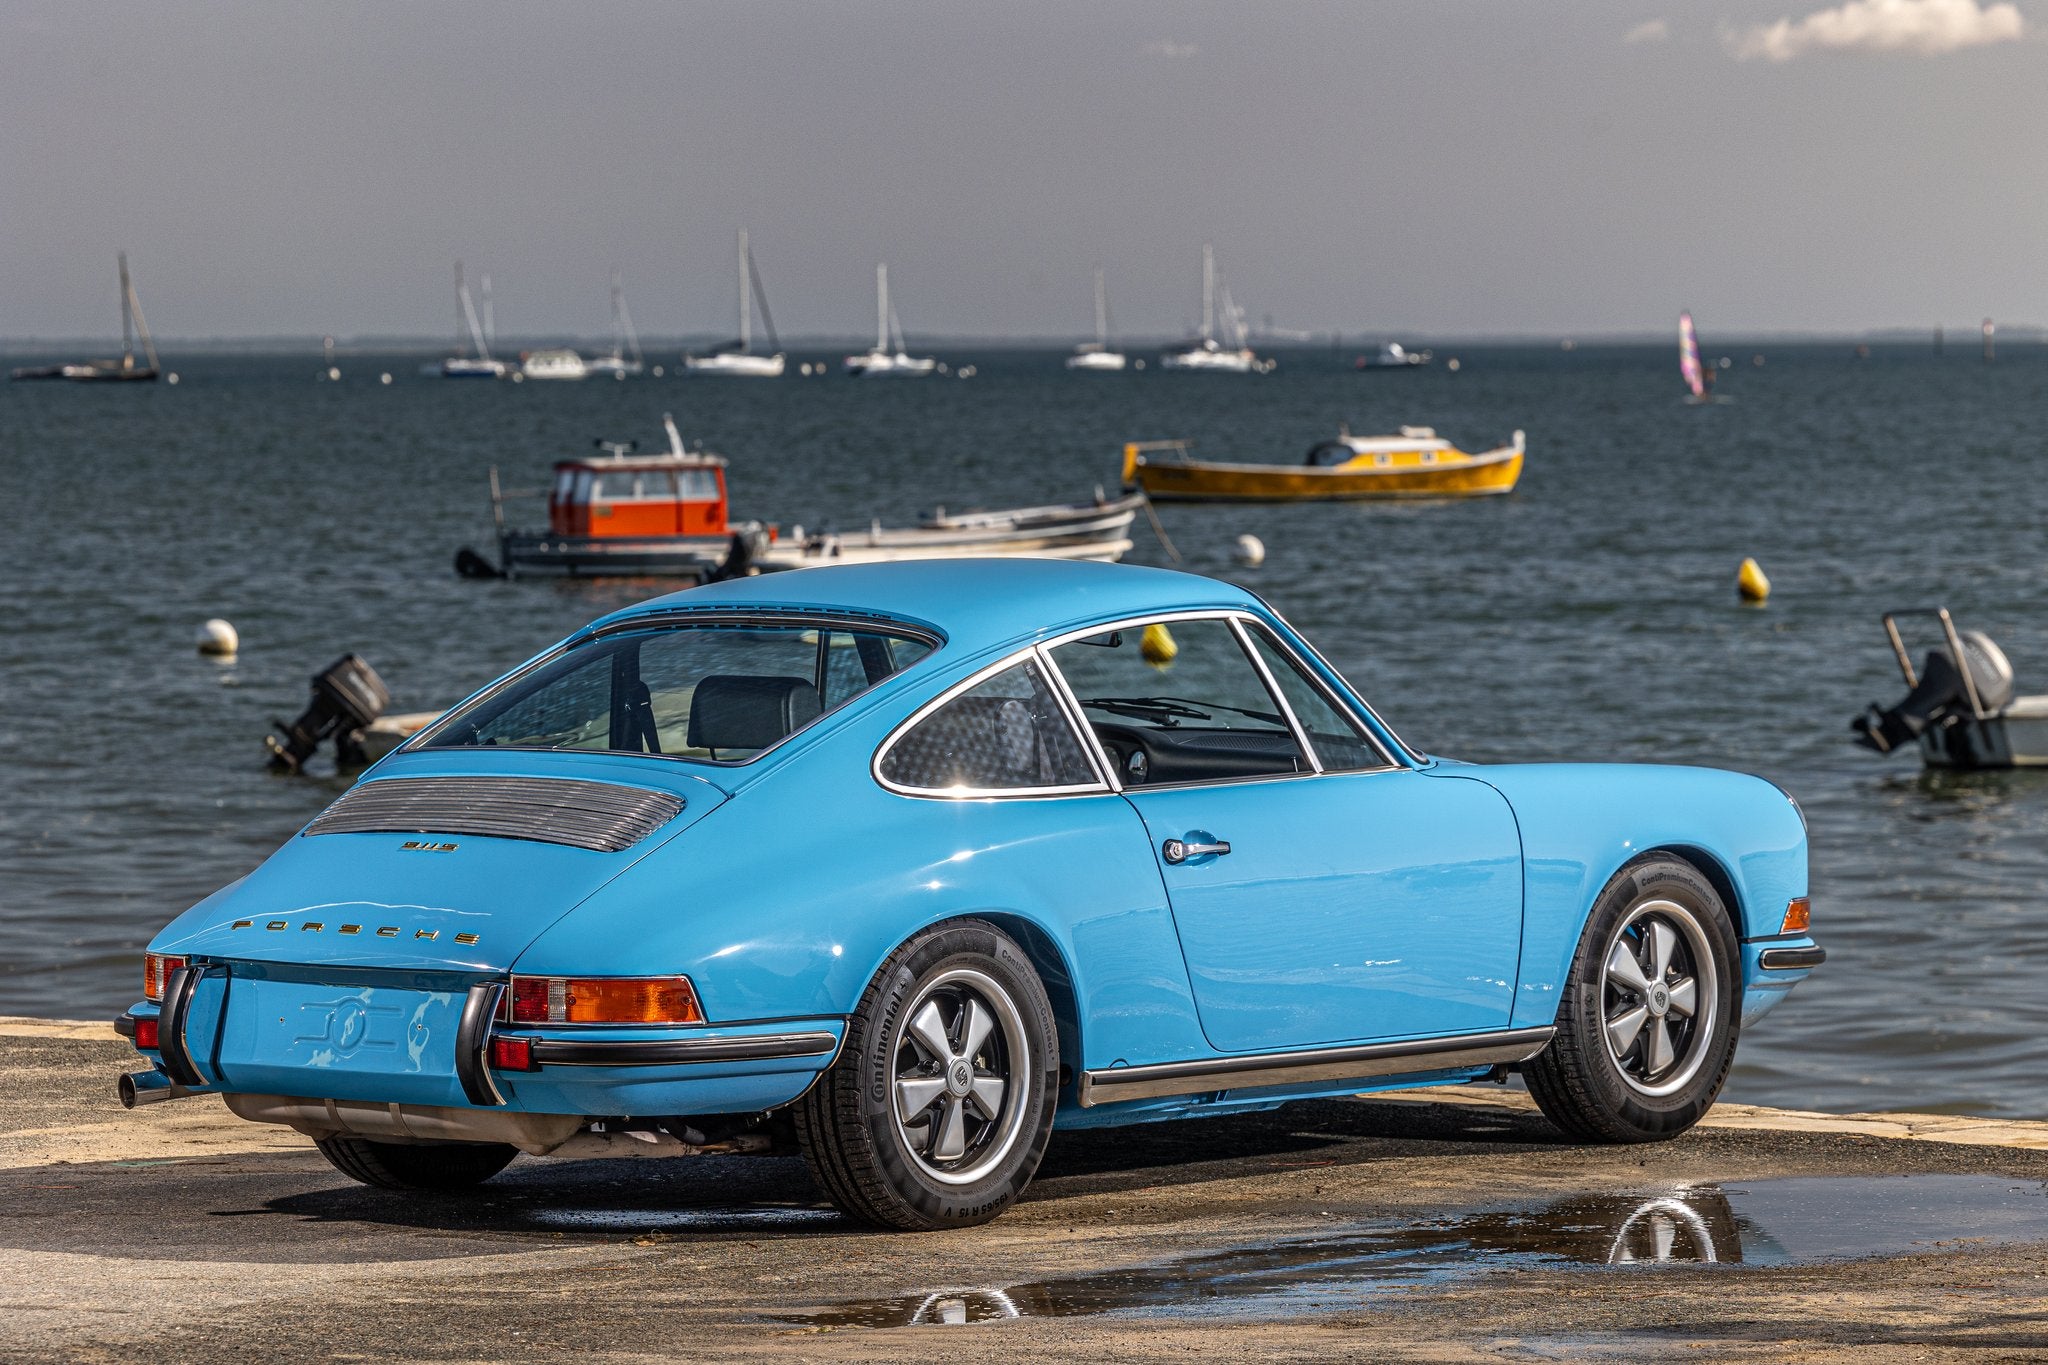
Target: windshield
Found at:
x=717, y=694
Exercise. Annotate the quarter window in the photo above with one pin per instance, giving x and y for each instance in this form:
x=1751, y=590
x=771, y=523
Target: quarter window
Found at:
x=1006, y=733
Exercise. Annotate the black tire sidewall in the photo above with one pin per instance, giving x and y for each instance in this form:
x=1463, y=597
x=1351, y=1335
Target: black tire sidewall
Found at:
x=983, y=947
x=1650, y=1117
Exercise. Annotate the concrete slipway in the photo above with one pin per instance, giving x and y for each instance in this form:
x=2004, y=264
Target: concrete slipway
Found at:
x=1448, y=1226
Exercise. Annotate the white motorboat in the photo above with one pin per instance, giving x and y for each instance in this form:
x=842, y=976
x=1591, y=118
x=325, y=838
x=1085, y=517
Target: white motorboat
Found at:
x=736, y=359
x=1392, y=355
x=558, y=362
x=624, y=358
x=1960, y=714
x=1097, y=530
x=1206, y=352
x=1097, y=354
x=463, y=365
x=889, y=358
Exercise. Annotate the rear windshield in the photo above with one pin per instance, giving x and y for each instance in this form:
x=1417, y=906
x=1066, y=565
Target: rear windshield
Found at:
x=718, y=694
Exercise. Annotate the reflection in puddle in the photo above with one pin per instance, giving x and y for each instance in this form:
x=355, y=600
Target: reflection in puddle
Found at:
x=1768, y=1222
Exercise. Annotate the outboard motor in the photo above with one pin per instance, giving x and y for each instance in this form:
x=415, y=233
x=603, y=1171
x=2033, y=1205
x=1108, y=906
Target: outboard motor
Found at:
x=1939, y=697
x=347, y=696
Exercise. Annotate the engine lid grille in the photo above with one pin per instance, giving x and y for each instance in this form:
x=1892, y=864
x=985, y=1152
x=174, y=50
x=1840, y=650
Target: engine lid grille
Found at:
x=601, y=816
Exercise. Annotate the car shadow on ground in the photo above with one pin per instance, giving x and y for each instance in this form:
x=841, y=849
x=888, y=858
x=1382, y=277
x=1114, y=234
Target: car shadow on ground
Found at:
x=774, y=1195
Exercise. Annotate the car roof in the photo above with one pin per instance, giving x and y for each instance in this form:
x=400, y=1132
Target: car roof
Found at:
x=975, y=603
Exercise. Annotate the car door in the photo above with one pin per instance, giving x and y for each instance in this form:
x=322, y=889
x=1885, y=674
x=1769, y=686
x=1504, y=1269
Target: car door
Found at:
x=1322, y=893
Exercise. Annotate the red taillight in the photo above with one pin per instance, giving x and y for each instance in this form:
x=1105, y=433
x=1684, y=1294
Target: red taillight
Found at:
x=156, y=973
x=512, y=1054
x=603, y=1000
x=145, y=1034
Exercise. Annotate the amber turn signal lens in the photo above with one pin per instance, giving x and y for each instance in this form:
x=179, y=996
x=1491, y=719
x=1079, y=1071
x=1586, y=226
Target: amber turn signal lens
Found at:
x=156, y=974
x=603, y=1000
x=1798, y=916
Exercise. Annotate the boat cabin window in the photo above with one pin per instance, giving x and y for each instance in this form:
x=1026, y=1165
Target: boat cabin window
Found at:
x=717, y=694
x=1006, y=734
x=1329, y=454
x=1179, y=701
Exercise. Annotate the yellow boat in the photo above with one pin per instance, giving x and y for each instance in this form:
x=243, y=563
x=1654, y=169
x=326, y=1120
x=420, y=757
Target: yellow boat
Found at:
x=1415, y=464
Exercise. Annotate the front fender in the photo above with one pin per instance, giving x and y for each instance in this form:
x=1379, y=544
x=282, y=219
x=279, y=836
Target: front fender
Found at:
x=1581, y=822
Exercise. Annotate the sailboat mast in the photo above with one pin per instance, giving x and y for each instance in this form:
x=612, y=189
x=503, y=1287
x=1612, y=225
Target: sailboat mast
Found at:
x=1208, y=292
x=1101, y=312
x=490, y=314
x=881, y=307
x=461, y=346
x=127, y=319
x=746, y=300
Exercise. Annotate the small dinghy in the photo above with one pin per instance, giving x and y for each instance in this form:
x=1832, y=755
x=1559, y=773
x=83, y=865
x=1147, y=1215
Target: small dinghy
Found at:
x=1960, y=716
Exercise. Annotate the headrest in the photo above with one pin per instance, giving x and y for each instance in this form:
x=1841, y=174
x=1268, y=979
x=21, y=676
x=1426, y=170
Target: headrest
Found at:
x=743, y=711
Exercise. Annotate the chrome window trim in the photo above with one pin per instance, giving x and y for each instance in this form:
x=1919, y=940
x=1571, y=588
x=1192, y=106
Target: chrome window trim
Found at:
x=1029, y=654
x=1244, y=643
x=682, y=619
x=1236, y=616
x=1353, y=700
x=1317, y=685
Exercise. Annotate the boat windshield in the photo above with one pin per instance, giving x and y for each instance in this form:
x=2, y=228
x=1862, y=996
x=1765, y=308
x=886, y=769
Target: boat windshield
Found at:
x=1329, y=454
x=708, y=693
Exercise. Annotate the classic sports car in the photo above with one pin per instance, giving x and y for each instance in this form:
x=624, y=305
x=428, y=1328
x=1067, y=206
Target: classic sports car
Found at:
x=908, y=865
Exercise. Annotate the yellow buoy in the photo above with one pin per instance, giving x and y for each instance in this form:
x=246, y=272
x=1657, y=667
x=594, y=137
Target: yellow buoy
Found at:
x=1157, y=646
x=1751, y=582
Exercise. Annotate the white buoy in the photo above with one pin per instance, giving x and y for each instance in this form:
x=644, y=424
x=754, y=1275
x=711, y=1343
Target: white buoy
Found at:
x=1251, y=551
x=619, y=375
x=384, y=378
x=518, y=378
x=333, y=374
x=1452, y=364
x=219, y=638
x=171, y=378
x=657, y=371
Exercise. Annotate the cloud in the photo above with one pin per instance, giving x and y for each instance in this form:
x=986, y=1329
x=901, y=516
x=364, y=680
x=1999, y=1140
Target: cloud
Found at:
x=1169, y=49
x=1923, y=27
x=1651, y=31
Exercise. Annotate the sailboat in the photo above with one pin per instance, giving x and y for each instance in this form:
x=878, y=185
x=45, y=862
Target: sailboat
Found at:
x=1206, y=353
x=737, y=358
x=624, y=339
x=1699, y=381
x=463, y=365
x=882, y=362
x=1096, y=354
x=124, y=370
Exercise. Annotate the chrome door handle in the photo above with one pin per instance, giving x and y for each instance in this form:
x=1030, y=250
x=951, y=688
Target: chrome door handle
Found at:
x=1180, y=850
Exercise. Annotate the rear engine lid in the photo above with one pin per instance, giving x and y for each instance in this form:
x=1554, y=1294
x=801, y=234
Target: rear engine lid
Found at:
x=427, y=866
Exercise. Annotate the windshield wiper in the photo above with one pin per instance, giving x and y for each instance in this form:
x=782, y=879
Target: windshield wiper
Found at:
x=1165, y=712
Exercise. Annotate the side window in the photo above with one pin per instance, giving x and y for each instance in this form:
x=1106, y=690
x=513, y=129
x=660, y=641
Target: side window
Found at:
x=1179, y=701
x=1339, y=741
x=1006, y=733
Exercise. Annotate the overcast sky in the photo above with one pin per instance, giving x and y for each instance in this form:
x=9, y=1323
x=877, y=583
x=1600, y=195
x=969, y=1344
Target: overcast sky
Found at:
x=1479, y=168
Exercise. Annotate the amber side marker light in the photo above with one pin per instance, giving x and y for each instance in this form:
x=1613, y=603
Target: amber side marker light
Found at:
x=602, y=1000
x=1798, y=916
x=156, y=972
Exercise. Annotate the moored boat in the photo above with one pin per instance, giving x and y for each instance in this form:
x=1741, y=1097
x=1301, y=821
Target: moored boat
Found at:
x=889, y=359
x=1098, y=354
x=1205, y=352
x=463, y=365
x=1392, y=355
x=737, y=359
x=1417, y=463
x=122, y=371
x=1098, y=530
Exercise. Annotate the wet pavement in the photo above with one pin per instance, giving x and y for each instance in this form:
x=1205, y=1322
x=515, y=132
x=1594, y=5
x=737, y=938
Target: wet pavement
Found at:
x=1362, y=1229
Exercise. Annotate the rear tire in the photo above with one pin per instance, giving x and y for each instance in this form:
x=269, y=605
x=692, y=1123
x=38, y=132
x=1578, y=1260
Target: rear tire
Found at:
x=415, y=1165
x=937, y=1110
x=1646, y=1031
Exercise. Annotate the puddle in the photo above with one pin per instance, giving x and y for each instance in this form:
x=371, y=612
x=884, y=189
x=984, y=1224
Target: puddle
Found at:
x=1760, y=1222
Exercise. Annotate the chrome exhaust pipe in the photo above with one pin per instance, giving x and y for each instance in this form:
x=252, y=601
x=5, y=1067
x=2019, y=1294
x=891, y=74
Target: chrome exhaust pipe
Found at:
x=148, y=1087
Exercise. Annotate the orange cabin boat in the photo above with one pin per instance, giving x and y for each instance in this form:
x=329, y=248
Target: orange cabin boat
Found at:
x=639, y=495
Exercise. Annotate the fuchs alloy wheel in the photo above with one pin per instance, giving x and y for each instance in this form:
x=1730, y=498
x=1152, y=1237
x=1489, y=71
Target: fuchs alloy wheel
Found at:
x=937, y=1110
x=416, y=1165
x=1646, y=1031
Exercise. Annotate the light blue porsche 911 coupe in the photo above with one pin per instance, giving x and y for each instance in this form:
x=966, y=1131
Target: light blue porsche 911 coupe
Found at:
x=906, y=866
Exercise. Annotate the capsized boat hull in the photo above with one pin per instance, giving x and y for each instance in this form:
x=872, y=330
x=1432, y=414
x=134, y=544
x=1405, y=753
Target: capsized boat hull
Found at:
x=1459, y=476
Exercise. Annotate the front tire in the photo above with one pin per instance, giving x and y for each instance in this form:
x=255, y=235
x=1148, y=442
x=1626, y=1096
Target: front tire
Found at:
x=415, y=1165
x=938, y=1108
x=1646, y=1031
